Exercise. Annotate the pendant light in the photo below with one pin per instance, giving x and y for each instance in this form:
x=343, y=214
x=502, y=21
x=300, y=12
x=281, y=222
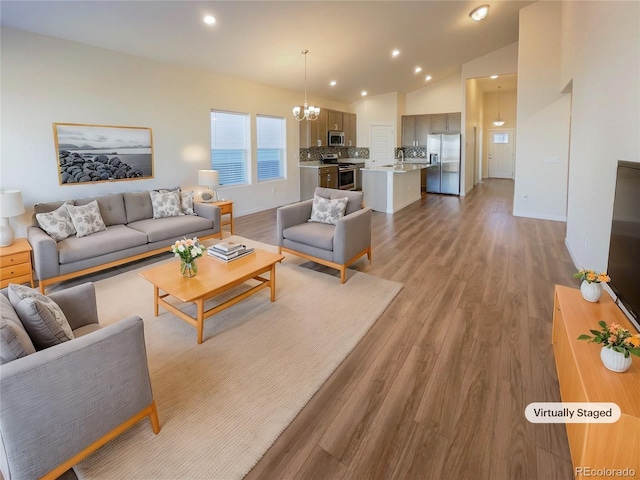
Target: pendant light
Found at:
x=309, y=112
x=498, y=122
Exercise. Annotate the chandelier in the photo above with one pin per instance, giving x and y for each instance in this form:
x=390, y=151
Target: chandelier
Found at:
x=309, y=111
x=498, y=122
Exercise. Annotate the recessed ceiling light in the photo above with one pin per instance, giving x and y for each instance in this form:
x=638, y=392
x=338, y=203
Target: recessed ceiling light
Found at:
x=479, y=13
x=364, y=93
x=494, y=77
x=333, y=83
x=395, y=53
x=427, y=78
x=209, y=20
x=418, y=69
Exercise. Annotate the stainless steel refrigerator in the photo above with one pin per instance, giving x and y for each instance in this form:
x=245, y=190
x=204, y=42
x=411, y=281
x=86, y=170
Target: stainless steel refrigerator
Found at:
x=443, y=171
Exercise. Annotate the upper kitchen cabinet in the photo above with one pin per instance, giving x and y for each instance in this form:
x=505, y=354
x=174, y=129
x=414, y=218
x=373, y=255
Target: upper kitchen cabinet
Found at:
x=415, y=129
x=335, y=120
x=446, y=122
x=314, y=133
x=349, y=129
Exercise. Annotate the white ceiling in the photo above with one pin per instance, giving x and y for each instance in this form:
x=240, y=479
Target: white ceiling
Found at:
x=350, y=42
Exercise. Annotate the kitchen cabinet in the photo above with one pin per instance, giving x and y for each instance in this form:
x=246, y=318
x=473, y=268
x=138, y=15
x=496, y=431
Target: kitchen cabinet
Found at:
x=317, y=176
x=446, y=122
x=415, y=129
x=349, y=129
x=314, y=133
x=335, y=120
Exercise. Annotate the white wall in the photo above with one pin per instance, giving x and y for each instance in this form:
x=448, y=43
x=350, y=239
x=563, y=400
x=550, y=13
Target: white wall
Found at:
x=601, y=56
x=474, y=112
x=382, y=109
x=47, y=80
x=543, y=117
x=439, y=97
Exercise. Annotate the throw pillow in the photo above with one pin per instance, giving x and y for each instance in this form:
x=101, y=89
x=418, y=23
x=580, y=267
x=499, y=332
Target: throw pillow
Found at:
x=326, y=210
x=14, y=342
x=57, y=224
x=86, y=218
x=41, y=317
x=187, y=203
x=165, y=204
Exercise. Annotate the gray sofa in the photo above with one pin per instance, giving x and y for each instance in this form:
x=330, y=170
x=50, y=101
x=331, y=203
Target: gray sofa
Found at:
x=336, y=246
x=61, y=403
x=132, y=233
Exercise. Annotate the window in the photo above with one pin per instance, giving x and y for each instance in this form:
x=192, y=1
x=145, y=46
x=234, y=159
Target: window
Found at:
x=230, y=146
x=271, y=147
x=500, y=138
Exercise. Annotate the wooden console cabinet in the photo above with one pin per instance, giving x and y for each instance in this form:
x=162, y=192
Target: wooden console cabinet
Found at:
x=583, y=378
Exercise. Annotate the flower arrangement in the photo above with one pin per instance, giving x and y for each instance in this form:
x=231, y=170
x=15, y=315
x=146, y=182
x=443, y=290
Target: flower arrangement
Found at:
x=616, y=338
x=591, y=276
x=187, y=250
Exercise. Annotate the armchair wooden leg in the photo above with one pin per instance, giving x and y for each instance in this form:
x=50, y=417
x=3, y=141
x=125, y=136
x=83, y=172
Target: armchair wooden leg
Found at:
x=343, y=273
x=369, y=253
x=279, y=250
x=153, y=418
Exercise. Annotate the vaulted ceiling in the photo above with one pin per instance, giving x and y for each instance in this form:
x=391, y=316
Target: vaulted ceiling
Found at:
x=348, y=42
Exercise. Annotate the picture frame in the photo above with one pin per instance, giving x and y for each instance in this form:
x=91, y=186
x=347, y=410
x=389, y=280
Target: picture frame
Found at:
x=102, y=153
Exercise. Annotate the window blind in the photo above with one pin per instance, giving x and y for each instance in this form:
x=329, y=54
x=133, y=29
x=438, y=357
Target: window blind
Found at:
x=271, y=147
x=230, y=146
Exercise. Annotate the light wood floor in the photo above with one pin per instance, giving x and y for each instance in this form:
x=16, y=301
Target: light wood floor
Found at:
x=438, y=387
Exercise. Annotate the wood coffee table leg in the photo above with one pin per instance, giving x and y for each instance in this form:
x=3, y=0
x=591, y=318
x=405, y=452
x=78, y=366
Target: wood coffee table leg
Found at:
x=155, y=300
x=272, y=282
x=200, y=319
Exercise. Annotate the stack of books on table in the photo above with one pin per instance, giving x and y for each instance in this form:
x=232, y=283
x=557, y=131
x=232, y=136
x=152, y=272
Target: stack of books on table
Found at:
x=228, y=251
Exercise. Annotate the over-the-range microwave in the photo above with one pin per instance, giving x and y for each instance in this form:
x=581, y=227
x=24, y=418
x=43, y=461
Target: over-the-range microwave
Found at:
x=336, y=139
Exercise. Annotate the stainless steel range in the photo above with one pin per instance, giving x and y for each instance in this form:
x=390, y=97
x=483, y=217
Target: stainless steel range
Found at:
x=346, y=171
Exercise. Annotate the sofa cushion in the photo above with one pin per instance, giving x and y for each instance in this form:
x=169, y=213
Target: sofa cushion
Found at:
x=326, y=210
x=57, y=224
x=41, y=317
x=14, y=340
x=138, y=206
x=160, y=229
x=86, y=219
x=319, y=235
x=111, y=208
x=355, y=198
x=166, y=204
x=113, y=239
x=187, y=203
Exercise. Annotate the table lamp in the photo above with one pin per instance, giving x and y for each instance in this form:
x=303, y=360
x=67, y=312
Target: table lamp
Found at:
x=10, y=206
x=209, y=178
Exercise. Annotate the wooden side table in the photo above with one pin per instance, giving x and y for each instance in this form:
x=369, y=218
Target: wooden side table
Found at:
x=15, y=263
x=226, y=208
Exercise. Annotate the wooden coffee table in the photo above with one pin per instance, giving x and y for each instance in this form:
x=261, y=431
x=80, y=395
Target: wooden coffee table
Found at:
x=214, y=277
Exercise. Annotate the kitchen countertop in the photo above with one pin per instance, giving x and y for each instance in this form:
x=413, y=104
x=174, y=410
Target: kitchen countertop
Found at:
x=317, y=164
x=404, y=168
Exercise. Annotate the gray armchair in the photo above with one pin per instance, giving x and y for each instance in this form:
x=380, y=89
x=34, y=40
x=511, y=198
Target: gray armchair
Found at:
x=336, y=246
x=64, y=402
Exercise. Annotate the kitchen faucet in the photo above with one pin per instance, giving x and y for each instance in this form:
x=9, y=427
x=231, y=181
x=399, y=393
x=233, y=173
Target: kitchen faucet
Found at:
x=401, y=156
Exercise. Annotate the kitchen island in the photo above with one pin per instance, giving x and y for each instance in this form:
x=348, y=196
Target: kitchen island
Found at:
x=390, y=188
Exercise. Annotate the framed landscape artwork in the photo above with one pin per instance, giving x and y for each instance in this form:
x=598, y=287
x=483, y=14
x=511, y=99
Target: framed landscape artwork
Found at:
x=102, y=153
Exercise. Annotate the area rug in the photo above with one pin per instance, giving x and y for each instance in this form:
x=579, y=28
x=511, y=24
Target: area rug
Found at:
x=223, y=403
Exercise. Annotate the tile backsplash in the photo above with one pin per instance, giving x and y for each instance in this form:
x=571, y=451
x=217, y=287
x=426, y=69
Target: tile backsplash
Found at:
x=313, y=154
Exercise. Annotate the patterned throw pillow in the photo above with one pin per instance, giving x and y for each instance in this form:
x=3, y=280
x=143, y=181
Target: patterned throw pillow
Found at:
x=166, y=204
x=326, y=210
x=86, y=218
x=187, y=203
x=41, y=317
x=57, y=224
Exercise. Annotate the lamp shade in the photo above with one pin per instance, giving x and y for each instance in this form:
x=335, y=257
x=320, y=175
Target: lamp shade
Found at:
x=208, y=178
x=11, y=203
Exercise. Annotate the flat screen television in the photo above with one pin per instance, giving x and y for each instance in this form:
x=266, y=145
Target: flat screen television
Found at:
x=624, y=247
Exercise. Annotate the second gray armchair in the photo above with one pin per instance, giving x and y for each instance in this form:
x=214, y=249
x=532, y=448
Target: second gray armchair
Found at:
x=334, y=245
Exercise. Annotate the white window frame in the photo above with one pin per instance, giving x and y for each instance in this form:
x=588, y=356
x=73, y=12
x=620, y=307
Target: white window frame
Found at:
x=231, y=139
x=271, y=137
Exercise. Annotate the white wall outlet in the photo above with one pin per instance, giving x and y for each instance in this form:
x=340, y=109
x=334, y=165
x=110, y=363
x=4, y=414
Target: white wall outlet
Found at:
x=356, y=153
x=554, y=160
x=273, y=189
x=525, y=196
x=308, y=156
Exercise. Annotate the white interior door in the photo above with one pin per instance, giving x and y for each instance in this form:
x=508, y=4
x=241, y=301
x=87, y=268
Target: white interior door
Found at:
x=382, y=145
x=501, y=153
